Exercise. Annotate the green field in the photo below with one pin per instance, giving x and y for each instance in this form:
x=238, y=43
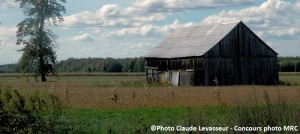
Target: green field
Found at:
x=88, y=108
x=139, y=120
x=292, y=78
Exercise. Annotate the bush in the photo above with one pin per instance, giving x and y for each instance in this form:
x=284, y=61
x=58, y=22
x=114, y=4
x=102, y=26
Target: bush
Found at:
x=32, y=115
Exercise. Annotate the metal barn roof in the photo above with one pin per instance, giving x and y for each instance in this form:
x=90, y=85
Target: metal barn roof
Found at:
x=191, y=41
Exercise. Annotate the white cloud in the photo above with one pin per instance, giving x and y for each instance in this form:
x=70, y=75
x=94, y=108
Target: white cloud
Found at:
x=140, y=12
x=131, y=46
x=9, y=54
x=172, y=27
x=8, y=47
x=286, y=33
x=150, y=18
x=4, y=4
x=109, y=10
x=272, y=19
x=182, y=5
x=111, y=15
x=83, y=37
x=87, y=19
x=134, y=31
x=7, y=32
x=149, y=30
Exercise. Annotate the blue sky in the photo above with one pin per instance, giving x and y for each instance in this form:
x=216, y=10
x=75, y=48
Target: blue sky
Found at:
x=130, y=28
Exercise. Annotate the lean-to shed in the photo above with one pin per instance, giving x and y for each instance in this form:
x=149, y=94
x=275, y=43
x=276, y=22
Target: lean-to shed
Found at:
x=225, y=53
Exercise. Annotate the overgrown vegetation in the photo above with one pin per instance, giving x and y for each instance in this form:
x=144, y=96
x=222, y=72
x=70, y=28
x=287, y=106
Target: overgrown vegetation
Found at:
x=32, y=114
x=272, y=112
x=125, y=104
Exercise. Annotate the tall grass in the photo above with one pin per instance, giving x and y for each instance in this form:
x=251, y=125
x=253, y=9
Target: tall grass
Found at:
x=272, y=111
x=260, y=109
x=87, y=107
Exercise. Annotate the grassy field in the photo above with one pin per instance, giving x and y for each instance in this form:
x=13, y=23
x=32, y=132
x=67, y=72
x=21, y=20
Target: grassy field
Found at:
x=96, y=92
x=91, y=105
x=290, y=77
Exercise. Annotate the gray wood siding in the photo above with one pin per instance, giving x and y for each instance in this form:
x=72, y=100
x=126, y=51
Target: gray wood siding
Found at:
x=241, y=71
x=241, y=58
x=241, y=42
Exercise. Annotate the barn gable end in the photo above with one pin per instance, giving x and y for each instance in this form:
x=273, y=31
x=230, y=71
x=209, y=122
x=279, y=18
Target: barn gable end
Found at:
x=229, y=53
x=240, y=42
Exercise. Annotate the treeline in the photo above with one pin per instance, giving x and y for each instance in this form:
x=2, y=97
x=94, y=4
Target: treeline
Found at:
x=88, y=65
x=287, y=64
x=101, y=65
x=10, y=68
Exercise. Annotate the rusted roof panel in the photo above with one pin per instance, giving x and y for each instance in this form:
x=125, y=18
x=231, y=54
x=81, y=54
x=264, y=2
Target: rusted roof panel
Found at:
x=191, y=41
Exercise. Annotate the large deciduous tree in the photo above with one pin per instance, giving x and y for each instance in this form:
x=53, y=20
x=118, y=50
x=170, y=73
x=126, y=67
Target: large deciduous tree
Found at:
x=38, y=39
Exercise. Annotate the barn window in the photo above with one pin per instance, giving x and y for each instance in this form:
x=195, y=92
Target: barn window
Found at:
x=151, y=72
x=189, y=64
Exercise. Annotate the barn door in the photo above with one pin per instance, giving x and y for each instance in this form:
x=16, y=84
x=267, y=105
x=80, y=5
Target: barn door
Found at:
x=186, y=78
x=174, y=78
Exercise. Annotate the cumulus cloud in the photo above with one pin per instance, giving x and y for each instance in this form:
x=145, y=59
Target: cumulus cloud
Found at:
x=109, y=10
x=110, y=15
x=83, y=37
x=101, y=17
x=7, y=32
x=273, y=18
x=150, y=18
x=166, y=29
x=182, y=5
x=8, y=47
x=140, y=45
x=140, y=12
x=7, y=39
x=148, y=30
x=134, y=31
x=4, y=4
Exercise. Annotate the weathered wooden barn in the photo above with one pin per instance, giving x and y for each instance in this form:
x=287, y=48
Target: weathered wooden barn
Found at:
x=225, y=53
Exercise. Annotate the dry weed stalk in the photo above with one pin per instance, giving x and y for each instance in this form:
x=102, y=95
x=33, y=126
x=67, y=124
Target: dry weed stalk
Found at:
x=133, y=93
x=146, y=92
x=52, y=88
x=171, y=92
x=66, y=93
x=217, y=90
x=114, y=97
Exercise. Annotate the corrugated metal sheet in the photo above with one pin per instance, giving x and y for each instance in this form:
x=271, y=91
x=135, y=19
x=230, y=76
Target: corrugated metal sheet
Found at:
x=191, y=41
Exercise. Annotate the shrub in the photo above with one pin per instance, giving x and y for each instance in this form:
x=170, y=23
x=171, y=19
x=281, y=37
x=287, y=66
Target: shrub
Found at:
x=31, y=115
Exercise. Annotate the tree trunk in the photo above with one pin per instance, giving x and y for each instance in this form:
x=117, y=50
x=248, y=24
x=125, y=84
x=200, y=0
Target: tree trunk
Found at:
x=41, y=54
x=43, y=77
x=42, y=70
